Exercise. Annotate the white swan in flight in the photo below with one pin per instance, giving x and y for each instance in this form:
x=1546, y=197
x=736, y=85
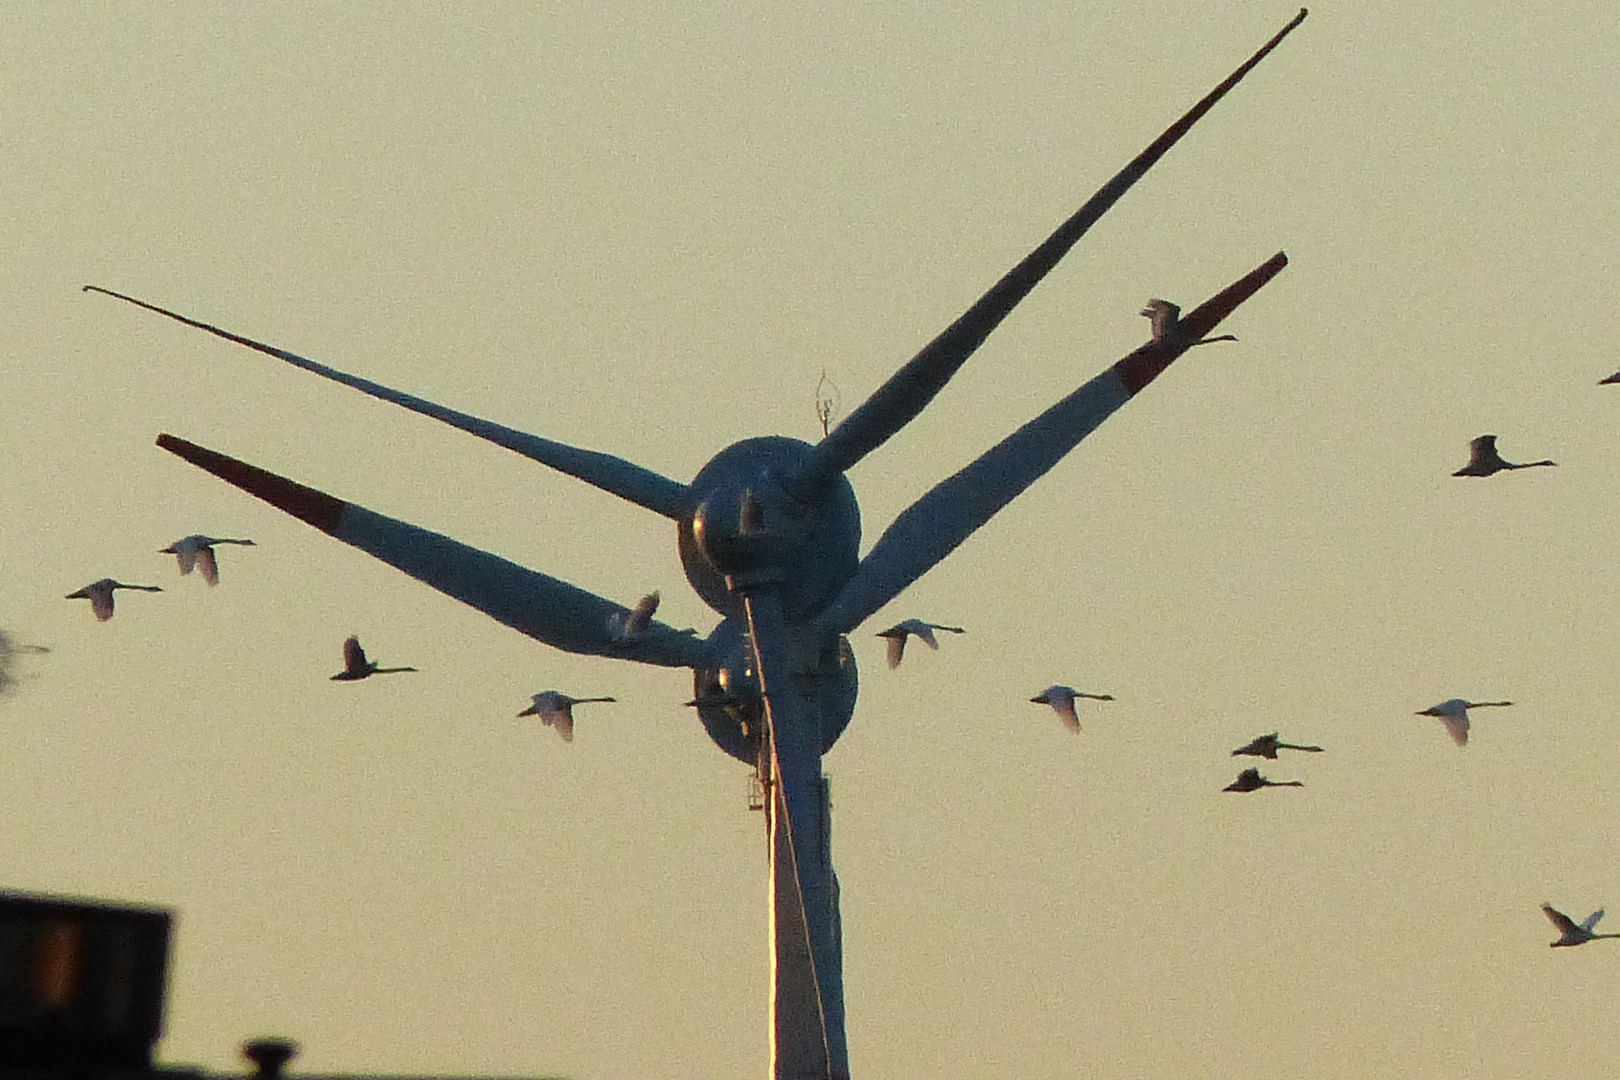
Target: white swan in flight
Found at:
x=356, y=666
x=629, y=625
x=1266, y=746
x=100, y=595
x=1454, y=714
x=1251, y=780
x=197, y=551
x=1571, y=933
x=1483, y=460
x=923, y=631
x=557, y=710
x=1061, y=698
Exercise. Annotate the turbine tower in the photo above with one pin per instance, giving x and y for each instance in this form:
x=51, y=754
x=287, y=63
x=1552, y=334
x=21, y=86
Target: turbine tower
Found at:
x=769, y=537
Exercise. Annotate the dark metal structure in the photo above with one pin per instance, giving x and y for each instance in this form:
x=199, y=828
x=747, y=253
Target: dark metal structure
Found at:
x=81, y=983
x=769, y=536
x=82, y=991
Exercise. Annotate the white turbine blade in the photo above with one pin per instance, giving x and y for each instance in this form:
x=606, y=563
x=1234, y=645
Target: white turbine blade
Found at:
x=543, y=607
x=933, y=526
x=612, y=474
x=909, y=390
x=1592, y=920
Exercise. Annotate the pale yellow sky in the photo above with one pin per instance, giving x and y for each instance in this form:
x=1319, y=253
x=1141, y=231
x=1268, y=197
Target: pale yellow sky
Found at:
x=647, y=230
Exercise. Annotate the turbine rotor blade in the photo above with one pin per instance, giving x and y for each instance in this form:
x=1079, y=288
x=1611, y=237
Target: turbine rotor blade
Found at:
x=909, y=390
x=612, y=474
x=801, y=800
x=933, y=526
x=542, y=607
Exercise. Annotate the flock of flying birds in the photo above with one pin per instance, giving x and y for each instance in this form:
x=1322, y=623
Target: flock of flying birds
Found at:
x=196, y=552
x=555, y=709
x=1483, y=460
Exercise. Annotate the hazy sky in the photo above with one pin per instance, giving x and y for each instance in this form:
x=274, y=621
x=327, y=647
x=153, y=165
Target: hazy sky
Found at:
x=648, y=230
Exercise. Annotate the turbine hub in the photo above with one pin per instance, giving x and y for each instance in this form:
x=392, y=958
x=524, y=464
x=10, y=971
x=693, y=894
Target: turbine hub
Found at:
x=808, y=548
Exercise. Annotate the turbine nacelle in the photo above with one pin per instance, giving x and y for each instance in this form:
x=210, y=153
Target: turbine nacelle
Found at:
x=726, y=693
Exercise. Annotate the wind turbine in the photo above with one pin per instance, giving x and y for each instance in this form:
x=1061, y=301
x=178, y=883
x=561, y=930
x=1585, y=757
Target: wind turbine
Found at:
x=769, y=537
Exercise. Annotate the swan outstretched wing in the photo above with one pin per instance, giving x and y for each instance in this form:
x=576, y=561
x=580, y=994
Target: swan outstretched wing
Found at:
x=1064, y=706
x=1563, y=922
x=556, y=712
x=1457, y=727
x=208, y=565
